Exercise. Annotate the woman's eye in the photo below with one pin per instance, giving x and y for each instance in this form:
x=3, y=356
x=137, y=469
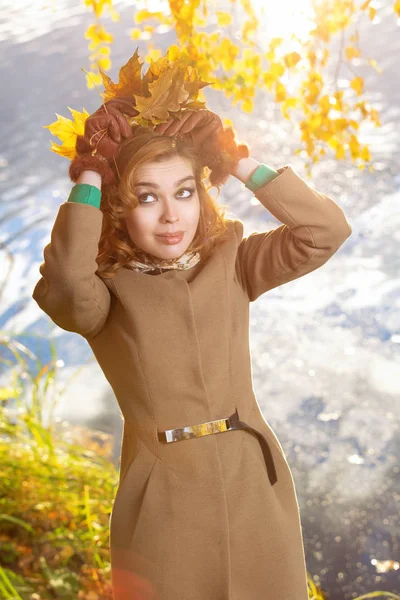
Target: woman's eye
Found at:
x=144, y=196
x=190, y=190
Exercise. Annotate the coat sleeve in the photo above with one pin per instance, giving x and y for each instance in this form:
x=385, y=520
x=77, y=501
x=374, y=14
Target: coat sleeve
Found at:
x=313, y=228
x=69, y=291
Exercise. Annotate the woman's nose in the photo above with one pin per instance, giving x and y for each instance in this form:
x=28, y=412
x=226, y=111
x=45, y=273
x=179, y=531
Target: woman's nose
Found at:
x=170, y=210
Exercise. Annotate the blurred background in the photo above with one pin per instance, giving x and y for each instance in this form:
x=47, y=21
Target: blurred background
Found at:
x=325, y=348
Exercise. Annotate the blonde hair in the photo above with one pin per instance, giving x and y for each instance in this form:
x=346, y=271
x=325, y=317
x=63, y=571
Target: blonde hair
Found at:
x=116, y=249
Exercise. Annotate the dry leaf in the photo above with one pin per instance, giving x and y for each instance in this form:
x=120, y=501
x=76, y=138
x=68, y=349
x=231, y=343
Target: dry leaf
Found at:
x=129, y=81
x=168, y=94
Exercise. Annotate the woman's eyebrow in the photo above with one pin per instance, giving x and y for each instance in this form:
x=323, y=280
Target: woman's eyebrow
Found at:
x=148, y=183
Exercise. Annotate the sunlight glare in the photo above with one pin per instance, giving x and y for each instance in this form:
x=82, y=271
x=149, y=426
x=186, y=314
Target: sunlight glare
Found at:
x=284, y=18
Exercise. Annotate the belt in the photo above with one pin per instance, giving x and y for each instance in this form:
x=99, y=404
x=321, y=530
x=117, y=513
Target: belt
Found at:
x=219, y=426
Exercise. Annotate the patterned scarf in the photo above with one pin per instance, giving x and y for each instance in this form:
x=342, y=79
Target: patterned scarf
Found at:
x=186, y=261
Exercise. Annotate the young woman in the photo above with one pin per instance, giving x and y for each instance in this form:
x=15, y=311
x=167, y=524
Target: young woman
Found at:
x=206, y=507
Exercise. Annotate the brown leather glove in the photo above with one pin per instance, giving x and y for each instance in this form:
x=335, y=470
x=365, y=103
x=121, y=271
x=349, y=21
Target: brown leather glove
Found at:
x=104, y=132
x=197, y=124
x=215, y=144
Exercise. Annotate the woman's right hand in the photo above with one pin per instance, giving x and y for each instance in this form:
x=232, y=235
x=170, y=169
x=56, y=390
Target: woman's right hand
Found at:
x=106, y=128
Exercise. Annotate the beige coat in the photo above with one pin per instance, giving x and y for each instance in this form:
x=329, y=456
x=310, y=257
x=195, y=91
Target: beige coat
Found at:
x=196, y=519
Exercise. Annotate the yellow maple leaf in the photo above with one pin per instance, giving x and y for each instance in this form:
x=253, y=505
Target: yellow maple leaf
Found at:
x=193, y=83
x=153, y=53
x=67, y=131
x=154, y=71
x=195, y=105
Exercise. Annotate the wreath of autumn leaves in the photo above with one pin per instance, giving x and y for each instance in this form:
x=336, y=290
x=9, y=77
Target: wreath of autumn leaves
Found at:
x=165, y=89
x=168, y=89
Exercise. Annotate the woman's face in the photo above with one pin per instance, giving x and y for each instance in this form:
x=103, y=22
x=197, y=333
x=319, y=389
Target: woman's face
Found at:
x=168, y=203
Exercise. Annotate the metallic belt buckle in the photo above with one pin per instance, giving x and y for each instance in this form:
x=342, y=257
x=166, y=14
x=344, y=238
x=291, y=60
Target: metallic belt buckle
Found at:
x=192, y=431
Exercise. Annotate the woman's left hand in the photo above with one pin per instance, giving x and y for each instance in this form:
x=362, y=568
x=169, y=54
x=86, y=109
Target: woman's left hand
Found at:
x=200, y=125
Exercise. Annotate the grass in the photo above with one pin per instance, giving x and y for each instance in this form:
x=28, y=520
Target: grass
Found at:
x=56, y=493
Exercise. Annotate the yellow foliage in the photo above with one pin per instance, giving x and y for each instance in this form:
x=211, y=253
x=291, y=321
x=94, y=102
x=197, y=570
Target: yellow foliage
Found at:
x=325, y=57
x=251, y=60
x=223, y=18
x=99, y=5
x=104, y=63
x=275, y=42
x=340, y=152
x=248, y=105
x=198, y=20
x=373, y=64
x=93, y=79
x=153, y=54
x=227, y=53
x=354, y=146
x=339, y=99
x=314, y=121
x=103, y=50
x=374, y=116
x=340, y=125
x=174, y=52
x=325, y=104
x=136, y=34
x=352, y=52
x=312, y=57
x=98, y=35
x=357, y=84
x=67, y=130
x=365, y=4
x=365, y=154
x=288, y=103
x=280, y=92
x=245, y=69
x=276, y=69
x=291, y=59
x=143, y=15
x=227, y=122
x=269, y=80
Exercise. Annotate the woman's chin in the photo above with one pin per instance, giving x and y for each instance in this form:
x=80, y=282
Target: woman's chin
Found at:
x=171, y=252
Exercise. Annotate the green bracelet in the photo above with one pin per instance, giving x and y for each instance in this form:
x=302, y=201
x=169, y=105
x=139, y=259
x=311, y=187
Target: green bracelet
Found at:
x=260, y=177
x=84, y=193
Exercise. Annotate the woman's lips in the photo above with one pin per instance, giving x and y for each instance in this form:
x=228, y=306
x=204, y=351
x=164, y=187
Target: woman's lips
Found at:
x=169, y=239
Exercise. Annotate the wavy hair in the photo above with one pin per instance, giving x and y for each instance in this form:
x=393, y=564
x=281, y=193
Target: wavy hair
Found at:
x=116, y=249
